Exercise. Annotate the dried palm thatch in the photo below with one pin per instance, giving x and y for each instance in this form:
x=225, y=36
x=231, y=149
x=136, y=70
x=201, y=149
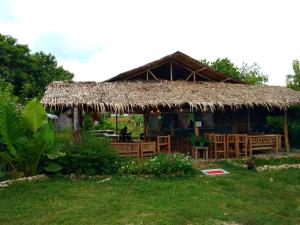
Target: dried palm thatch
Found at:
x=130, y=96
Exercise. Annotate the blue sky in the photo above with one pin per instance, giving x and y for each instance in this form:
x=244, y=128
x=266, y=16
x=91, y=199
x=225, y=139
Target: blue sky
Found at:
x=57, y=44
x=97, y=39
x=5, y=12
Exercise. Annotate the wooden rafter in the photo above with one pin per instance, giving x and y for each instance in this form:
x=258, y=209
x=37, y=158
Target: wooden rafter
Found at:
x=226, y=79
x=191, y=74
x=150, y=68
x=153, y=75
x=199, y=70
x=199, y=74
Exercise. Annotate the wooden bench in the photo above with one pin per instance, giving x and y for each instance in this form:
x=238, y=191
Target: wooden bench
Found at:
x=135, y=149
x=263, y=142
x=148, y=149
x=127, y=149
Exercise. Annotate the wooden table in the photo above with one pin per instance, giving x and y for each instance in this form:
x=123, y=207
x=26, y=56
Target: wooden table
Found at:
x=196, y=150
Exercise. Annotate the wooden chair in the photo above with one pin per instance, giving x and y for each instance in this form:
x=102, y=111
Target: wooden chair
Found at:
x=210, y=138
x=196, y=152
x=231, y=146
x=148, y=149
x=219, y=145
x=241, y=144
x=164, y=142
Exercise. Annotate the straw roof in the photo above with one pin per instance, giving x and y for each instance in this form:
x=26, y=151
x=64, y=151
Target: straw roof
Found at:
x=130, y=96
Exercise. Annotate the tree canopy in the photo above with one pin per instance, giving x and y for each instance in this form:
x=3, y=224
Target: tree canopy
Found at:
x=28, y=73
x=293, y=80
x=250, y=74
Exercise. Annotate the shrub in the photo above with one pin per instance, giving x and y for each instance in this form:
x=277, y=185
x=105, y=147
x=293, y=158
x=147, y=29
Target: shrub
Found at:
x=198, y=141
x=88, y=123
x=169, y=164
x=92, y=156
x=130, y=167
x=160, y=165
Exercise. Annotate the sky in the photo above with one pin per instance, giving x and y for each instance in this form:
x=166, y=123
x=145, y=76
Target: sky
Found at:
x=98, y=39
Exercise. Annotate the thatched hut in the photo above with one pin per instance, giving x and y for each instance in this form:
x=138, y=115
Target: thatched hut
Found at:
x=177, y=88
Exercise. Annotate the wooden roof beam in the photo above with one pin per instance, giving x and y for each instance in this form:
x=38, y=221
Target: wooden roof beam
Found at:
x=189, y=76
x=199, y=74
x=144, y=71
x=153, y=75
x=227, y=79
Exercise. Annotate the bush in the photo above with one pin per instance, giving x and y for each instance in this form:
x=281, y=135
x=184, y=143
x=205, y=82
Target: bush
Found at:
x=93, y=156
x=2, y=171
x=160, y=165
x=276, y=125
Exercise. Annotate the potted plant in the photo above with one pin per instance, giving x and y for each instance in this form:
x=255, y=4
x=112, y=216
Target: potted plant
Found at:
x=198, y=141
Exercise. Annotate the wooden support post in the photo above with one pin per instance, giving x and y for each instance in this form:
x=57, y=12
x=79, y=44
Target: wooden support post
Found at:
x=197, y=131
x=80, y=116
x=171, y=70
x=117, y=129
x=248, y=121
x=145, y=124
x=172, y=123
x=286, y=131
x=75, y=119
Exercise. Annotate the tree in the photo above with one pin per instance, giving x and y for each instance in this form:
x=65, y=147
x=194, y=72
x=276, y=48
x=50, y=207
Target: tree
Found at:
x=28, y=73
x=250, y=74
x=226, y=66
x=293, y=80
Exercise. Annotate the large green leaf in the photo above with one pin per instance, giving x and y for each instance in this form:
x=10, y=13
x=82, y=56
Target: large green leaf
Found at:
x=55, y=151
x=53, y=167
x=34, y=115
x=11, y=129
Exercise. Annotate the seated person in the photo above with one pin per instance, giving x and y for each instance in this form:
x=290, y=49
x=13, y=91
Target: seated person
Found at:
x=191, y=124
x=124, y=135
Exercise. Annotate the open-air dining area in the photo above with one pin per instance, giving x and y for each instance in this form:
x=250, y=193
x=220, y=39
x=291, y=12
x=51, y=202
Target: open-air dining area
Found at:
x=220, y=146
x=187, y=107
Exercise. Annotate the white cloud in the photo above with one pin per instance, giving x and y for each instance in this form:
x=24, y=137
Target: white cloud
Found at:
x=134, y=32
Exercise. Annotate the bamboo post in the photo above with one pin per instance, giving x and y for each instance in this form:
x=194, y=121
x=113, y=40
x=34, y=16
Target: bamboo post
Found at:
x=248, y=121
x=117, y=129
x=75, y=119
x=172, y=123
x=171, y=70
x=197, y=131
x=80, y=117
x=145, y=125
x=286, y=132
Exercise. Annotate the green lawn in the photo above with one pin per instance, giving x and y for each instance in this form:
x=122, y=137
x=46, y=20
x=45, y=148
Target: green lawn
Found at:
x=243, y=197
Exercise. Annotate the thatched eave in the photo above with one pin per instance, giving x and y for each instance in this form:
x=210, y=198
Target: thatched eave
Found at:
x=131, y=96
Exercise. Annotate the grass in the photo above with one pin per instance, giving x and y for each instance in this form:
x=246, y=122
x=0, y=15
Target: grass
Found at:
x=243, y=197
x=261, y=161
